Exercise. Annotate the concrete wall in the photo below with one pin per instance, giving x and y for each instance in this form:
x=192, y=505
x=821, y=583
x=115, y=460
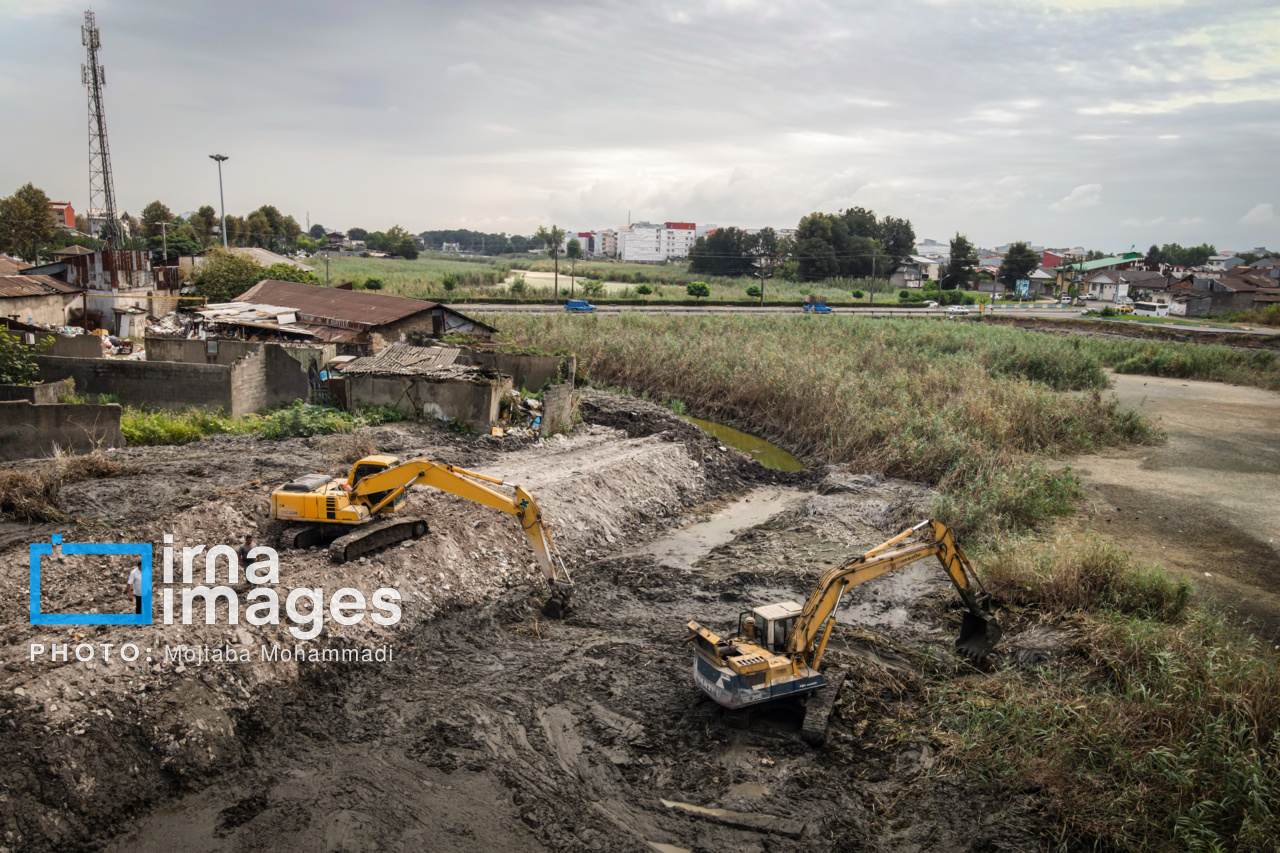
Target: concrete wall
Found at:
x=529, y=372
x=30, y=431
x=265, y=379
x=74, y=346
x=162, y=385
x=228, y=351
x=50, y=392
x=473, y=403
x=557, y=409
x=260, y=380
x=53, y=309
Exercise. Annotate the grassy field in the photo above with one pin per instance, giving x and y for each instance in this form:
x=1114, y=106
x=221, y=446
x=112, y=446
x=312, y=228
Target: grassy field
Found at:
x=1154, y=724
x=473, y=279
x=978, y=411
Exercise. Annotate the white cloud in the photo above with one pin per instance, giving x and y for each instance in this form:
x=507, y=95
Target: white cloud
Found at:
x=1259, y=214
x=1085, y=195
x=463, y=69
x=1134, y=222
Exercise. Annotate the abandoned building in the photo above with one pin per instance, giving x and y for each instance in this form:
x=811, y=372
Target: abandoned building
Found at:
x=344, y=316
x=38, y=300
x=118, y=286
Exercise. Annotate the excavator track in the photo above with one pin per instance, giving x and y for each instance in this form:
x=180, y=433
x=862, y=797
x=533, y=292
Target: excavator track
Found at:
x=373, y=537
x=818, y=711
x=304, y=536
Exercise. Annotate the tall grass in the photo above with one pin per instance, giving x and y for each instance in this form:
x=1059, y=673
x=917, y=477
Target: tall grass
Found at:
x=1189, y=361
x=976, y=411
x=1160, y=729
x=163, y=427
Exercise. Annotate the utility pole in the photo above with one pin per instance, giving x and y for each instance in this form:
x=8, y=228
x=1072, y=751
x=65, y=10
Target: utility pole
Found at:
x=326, y=269
x=164, y=241
x=222, y=199
x=871, y=288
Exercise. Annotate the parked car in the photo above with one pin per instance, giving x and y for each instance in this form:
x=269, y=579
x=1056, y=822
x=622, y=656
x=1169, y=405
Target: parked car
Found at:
x=816, y=307
x=579, y=305
x=957, y=309
x=931, y=305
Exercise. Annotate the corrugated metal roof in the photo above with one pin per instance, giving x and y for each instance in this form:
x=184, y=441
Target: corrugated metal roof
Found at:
x=256, y=315
x=12, y=266
x=33, y=285
x=408, y=360
x=358, y=306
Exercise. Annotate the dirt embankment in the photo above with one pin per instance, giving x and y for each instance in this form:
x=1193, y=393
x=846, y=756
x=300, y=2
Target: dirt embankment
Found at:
x=1137, y=330
x=87, y=742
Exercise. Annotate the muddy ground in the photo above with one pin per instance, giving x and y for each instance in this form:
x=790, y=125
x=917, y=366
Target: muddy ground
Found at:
x=1206, y=502
x=490, y=728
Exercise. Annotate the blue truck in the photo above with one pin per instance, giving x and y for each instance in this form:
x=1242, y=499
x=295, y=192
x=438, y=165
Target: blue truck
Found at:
x=579, y=305
x=816, y=308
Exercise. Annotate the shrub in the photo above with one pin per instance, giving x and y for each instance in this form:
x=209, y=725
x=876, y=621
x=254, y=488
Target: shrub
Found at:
x=449, y=281
x=373, y=284
x=698, y=289
x=857, y=294
x=518, y=285
x=644, y=289
x=592, y=287
x=753, y=291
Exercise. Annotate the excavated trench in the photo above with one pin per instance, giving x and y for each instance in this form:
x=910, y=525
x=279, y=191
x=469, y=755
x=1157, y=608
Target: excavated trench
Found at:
x=491, y=728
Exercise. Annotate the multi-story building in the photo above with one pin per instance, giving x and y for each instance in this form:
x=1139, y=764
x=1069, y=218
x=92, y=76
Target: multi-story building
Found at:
x=677, y=239
x=607, y=243
x=64, y=213
x=641, y=242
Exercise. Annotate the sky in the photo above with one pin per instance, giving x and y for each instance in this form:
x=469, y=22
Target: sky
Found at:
x=1102, y=123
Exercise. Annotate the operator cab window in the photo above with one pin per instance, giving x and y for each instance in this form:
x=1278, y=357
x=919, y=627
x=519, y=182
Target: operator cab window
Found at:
x=365, y=470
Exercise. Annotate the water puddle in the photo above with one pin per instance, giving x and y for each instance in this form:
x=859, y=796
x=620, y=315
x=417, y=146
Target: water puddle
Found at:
x=768, y=455
x=684, y=547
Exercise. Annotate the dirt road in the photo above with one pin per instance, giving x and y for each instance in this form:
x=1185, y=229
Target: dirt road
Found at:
x=1206, y=502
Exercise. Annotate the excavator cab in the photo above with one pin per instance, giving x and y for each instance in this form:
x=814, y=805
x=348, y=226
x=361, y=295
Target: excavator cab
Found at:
x=768, y=626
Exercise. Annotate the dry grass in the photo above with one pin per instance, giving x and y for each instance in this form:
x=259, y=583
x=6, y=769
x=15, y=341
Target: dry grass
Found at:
x=33, y=495
x=1060, y=578
x=349, y=448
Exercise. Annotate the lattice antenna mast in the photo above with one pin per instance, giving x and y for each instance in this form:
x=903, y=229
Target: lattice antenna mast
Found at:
x=102, y=191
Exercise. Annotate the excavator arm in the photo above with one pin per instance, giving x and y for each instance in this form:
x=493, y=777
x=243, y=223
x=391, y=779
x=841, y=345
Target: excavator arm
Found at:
x=387, y=485
x=978, y=633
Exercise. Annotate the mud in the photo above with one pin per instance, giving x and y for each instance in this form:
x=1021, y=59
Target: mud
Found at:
x=490, y=728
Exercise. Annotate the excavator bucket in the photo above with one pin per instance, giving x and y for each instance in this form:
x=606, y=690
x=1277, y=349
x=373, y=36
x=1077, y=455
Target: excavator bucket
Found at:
x=979, y=632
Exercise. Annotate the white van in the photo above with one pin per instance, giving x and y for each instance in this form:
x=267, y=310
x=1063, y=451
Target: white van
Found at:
x=1151, y=309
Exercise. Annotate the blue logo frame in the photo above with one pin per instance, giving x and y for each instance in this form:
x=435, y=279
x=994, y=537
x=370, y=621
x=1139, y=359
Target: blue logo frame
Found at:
x=143, y=550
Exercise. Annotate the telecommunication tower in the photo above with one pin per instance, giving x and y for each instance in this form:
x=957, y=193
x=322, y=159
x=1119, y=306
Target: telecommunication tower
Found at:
x=102, y=191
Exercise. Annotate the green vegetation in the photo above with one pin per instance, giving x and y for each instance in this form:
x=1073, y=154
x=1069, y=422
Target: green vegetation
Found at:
x=977, y=411
x=17, y=361
x=150, y=427
x=1160, y=728
x=225, y=275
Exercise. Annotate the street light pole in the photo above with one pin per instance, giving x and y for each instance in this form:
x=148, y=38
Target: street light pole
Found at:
x=221, y=198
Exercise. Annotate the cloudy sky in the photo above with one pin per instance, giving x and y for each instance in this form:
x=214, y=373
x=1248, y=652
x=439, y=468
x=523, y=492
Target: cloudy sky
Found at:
x=1093, y=122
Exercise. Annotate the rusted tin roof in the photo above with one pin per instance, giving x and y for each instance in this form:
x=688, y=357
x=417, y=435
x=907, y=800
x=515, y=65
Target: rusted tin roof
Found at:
x=33, y=285
x=12, y=266
x=408, y=360
x=330, y=303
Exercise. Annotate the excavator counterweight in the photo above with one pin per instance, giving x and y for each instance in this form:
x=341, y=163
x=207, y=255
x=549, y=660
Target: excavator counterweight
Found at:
x=354, y=516
x=778, y=648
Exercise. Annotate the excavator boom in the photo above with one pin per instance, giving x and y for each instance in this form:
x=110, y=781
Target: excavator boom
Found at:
x=355, y=515
x=779, y=647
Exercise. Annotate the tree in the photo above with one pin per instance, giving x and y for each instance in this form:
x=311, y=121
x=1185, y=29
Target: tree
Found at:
x=723, y=252
x=317, y=232
x=205, y=223
x=552, y=238
x=373, y=284
x=1153, y=254
x=963, y=260
x=817, y=259
x=572, y=251
x=26, y=222
x=898, y=238
x=18, y=362
x=1019, y=262
x=152, y=215
x=699, y=290
x=353, y=233
x=288, y=272
x=225, y=275
x=407, y=249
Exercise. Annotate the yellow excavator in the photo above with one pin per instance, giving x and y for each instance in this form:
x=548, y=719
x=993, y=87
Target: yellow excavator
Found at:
x=778, y=649
x=353, y=515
